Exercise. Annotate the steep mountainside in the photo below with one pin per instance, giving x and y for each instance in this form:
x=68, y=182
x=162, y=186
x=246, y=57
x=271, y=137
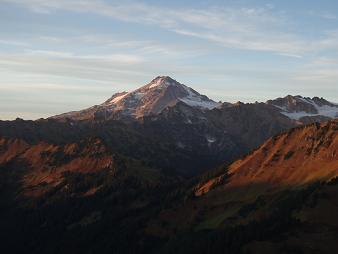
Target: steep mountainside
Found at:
x=60, y=193
x=117, y=137
x=84, y=195
x=112, y=186
x=171, y=139
x=300, y=156
x=182, y=139
x=277, y=199
x=306, y=109
x=163, y=92
x=160, y=93
x=172, y=113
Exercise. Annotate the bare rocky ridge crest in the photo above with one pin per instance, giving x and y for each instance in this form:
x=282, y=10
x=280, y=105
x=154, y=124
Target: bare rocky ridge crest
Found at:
x=163, y=92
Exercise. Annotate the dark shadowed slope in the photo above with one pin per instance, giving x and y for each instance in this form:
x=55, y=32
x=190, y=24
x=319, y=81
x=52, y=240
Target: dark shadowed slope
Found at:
x=281, y=198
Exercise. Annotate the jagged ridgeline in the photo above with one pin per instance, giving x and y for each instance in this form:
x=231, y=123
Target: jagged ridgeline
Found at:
x=164, y=169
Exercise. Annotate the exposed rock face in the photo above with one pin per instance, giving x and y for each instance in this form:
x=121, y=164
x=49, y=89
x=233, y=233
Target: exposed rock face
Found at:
x=173, y=114
x=286, y=188
x=294, y=104
x=181, y=139
x=164, y=92
x=305, y=109
x=153, y=98
x=296, y=158
x=44, y=164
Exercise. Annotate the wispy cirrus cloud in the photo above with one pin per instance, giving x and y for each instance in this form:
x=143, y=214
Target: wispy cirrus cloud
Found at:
x=114, y=58
x=323, y=14
x=13, y=43
x=257, y=29
x=91, y=67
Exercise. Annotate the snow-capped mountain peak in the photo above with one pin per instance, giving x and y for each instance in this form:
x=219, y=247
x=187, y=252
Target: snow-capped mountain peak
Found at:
x=161, y=81
x=152, y=98
x=297, y=107
x=160, y=93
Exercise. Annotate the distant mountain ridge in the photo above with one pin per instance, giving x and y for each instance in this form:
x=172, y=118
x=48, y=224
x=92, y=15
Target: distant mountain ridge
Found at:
x=198, y=132
x=153, y=98
x=300, y=156
x=280, y=198
x=163, y=92
x=298, y=107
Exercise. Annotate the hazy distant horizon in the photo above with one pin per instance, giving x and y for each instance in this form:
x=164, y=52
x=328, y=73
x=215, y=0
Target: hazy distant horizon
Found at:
x=60, y=56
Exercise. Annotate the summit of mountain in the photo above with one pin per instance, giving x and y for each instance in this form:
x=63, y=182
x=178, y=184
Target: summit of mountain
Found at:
x=150, y=99
x=305, y=109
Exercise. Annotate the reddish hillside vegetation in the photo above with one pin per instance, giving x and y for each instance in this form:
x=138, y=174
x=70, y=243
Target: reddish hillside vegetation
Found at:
x=300, y=156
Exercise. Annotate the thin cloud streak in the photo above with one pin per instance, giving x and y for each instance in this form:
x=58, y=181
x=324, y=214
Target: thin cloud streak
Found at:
x=14, y=43
x=245, y=28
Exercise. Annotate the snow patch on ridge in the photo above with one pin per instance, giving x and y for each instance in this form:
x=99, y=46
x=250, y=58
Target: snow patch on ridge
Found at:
x=325, y=110
x=196, y=100
x=159, y=83
x=118, y=98
x=210, y=139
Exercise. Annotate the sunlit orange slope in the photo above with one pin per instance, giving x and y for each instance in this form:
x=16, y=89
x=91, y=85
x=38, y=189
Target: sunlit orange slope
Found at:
x=300, y=156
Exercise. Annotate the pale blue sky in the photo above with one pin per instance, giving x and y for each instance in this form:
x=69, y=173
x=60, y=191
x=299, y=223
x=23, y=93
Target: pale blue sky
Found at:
x=58, y=56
